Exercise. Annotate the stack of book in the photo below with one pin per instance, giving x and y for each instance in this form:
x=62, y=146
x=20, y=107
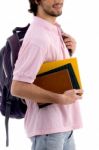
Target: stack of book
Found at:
x=59, y=76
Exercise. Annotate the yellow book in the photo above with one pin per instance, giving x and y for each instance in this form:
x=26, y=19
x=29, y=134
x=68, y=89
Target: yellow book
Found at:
x=55, y=64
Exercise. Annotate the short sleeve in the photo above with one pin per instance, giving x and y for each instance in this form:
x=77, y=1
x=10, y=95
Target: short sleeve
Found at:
x=31, y=57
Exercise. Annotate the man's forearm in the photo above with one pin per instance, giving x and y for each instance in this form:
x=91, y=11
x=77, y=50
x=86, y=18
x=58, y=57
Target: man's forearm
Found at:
x=33, y=92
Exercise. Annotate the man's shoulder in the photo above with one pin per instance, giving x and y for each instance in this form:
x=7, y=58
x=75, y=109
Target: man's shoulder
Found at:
x=39, y=30
x=38, y=33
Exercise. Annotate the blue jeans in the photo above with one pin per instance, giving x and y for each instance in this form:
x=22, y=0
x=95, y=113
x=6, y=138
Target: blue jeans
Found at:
x=55, y=141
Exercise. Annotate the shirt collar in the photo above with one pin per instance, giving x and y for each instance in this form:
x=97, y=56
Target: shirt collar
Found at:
x=46, y=24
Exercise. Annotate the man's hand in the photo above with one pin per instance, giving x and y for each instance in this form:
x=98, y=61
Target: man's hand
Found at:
x=71, y=96
x=69, y=42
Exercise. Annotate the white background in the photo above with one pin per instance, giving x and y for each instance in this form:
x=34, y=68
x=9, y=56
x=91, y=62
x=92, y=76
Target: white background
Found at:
x=80, y=19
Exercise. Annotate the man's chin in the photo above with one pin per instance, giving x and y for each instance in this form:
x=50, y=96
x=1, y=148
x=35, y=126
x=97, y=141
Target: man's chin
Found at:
x=56, y=14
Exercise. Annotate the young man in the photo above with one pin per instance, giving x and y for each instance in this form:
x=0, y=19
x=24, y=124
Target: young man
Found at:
x=51, y=127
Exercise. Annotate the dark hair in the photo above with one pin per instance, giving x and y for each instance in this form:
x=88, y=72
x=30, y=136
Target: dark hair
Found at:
x=33, y=7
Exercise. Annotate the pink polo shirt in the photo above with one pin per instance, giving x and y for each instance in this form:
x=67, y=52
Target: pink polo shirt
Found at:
x=43, y=42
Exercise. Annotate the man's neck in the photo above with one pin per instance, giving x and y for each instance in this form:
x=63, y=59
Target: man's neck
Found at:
x=48, y=18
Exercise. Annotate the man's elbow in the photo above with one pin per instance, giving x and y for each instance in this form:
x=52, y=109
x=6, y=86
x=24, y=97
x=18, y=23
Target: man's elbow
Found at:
x=15, y=90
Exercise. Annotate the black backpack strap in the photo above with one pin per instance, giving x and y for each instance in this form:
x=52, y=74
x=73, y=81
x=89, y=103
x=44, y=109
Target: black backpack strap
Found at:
x=69, y=50
x=6, y=99
x=2, y=73
x=12, y=48
x=7, y=61
x=10, y=56
x=15, y=42
x=3, y=76
x=22, y=29
x=7, y=114
x=63, y=36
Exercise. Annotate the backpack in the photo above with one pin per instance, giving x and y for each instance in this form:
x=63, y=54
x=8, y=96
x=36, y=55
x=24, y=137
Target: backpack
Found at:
x=10, y=106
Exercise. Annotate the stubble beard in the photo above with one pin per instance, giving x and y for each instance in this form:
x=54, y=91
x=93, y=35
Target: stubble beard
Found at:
x=53, y=14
